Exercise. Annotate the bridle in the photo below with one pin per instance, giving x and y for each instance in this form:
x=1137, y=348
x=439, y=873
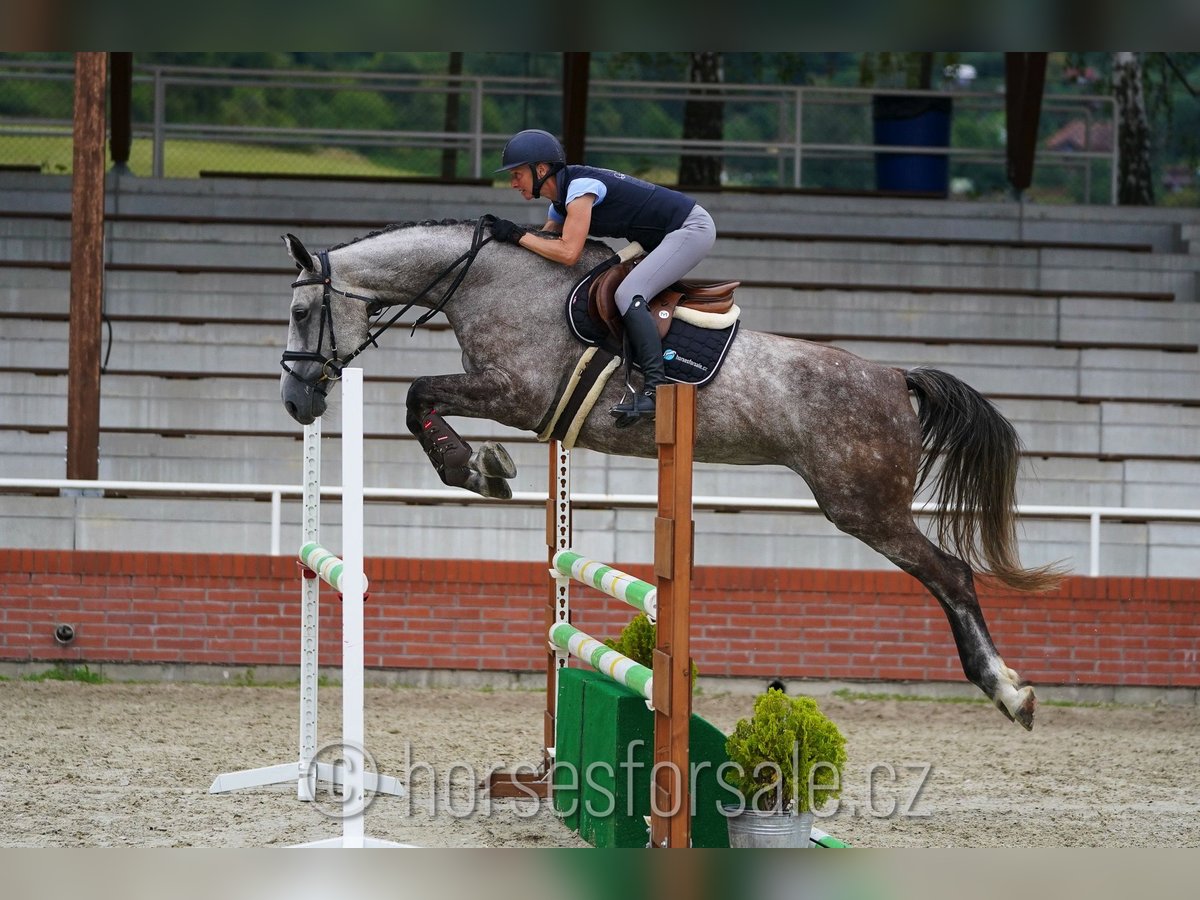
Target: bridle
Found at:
x=331, y=363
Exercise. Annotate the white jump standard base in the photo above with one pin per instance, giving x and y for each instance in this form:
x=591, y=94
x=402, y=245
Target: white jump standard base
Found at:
x=308, y=775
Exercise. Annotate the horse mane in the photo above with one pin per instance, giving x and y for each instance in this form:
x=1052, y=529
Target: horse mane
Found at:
x=398, y=226
x=388, y=229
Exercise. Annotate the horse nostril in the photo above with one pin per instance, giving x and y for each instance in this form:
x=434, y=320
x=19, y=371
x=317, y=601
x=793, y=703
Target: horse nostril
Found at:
x=291, y=408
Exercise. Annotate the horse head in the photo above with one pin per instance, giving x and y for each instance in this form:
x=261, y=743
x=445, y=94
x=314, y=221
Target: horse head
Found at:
x=326, y=327
x=413, y=264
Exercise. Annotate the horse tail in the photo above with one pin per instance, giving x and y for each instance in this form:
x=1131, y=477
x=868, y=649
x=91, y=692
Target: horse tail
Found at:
x=975, y=485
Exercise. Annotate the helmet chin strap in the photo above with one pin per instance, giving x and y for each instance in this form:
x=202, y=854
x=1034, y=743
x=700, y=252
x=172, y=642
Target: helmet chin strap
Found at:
x=538, y=182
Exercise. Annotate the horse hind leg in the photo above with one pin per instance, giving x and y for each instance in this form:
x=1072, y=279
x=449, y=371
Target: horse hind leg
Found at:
x=981, y=662
x=952, y=584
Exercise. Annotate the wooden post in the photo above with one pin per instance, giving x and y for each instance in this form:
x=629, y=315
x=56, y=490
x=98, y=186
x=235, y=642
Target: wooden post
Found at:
x=87, y=268
x=120, y=92
x=670, y=801
x=1025, y=80
x=575, y=99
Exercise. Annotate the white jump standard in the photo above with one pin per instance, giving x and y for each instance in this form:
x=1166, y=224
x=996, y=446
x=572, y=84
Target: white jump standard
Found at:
x=347, y=577
x=350, y=580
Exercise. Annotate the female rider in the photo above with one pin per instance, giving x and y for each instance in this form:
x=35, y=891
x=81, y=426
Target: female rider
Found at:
x=673, y=228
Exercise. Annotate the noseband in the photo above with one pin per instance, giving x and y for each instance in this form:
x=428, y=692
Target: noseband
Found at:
x=331, y=366
x=331, y=363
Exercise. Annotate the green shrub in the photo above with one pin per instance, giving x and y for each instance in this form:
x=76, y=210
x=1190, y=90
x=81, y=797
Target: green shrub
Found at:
x=637, y=641
x=788, y=755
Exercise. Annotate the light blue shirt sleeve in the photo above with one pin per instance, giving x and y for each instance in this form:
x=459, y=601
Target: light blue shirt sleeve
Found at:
x=578, y=188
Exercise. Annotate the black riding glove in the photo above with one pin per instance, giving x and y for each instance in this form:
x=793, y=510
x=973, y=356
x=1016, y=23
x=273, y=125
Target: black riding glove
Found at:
x=504, y=230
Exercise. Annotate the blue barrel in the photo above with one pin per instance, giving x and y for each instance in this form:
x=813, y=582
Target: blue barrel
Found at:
x=912, y=121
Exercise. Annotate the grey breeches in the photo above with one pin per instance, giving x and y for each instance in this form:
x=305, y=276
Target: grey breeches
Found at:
x=679, y=253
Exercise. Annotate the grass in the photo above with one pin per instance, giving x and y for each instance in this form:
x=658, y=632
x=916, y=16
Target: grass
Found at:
x=187, y=159
x=64, y=672
x=847, y=694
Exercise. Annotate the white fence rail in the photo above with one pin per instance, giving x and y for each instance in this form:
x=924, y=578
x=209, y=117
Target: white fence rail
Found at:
x=276, y=493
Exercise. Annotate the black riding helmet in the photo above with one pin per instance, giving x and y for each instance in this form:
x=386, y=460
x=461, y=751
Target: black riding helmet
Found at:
x=530, y=147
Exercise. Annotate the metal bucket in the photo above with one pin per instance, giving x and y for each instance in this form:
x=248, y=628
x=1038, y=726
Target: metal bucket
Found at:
x=752, y=828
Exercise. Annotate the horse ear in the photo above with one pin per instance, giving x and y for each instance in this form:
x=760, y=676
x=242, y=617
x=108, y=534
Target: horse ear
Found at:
x=300, y=256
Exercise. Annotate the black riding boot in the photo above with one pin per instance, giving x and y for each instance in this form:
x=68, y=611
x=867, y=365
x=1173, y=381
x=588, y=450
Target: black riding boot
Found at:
x=646, y=348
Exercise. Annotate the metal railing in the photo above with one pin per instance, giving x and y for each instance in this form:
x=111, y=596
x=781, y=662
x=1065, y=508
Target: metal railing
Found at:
x=775, y=135
x=276, y=493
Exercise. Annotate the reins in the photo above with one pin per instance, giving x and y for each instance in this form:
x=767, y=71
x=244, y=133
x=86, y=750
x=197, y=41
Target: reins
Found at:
x=332, y=365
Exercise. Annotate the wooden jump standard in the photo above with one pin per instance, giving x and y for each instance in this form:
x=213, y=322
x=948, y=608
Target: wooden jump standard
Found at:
x=669, y=690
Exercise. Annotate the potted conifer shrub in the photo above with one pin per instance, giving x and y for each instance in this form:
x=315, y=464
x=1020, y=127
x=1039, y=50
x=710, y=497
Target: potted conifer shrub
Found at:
x=786, y=760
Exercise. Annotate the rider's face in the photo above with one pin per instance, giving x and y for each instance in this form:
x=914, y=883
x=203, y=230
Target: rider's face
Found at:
x=521, y=180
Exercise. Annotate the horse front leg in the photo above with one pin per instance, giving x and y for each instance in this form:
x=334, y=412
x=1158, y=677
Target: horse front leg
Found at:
x=485, y=471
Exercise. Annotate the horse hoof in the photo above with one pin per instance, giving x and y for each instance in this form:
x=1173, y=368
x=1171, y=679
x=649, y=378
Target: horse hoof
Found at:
x=1023, y=714
x=497, y=489
x=492, y=460
x=491, y=488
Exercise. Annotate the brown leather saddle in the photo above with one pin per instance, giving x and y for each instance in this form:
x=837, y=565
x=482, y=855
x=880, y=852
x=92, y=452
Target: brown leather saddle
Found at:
x=702, y=296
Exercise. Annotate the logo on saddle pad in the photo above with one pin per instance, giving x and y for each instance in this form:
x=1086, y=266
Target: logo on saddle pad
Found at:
x=672, y=356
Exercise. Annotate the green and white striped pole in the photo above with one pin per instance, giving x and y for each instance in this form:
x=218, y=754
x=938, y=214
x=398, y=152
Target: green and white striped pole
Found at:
x=639, y=594
x=604, y=660
x=326, y=565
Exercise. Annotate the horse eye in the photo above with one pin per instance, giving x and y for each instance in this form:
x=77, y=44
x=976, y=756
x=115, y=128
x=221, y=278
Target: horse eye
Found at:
x=299, y=313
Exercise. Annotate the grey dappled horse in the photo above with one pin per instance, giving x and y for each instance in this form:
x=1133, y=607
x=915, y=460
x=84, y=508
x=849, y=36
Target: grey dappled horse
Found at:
x=843, y=424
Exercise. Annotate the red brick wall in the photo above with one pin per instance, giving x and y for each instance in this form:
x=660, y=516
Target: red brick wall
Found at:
x=453, y=614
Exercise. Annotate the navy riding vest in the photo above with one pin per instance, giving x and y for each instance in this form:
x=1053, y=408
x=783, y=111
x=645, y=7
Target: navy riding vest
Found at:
x=632, y=209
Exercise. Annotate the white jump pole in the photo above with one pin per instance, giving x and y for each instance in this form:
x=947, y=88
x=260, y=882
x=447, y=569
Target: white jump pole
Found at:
x=351, y=584
x=353, y=660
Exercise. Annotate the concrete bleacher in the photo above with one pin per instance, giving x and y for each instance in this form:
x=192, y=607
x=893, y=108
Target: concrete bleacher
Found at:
x=1081, y=324
x=757, y=259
